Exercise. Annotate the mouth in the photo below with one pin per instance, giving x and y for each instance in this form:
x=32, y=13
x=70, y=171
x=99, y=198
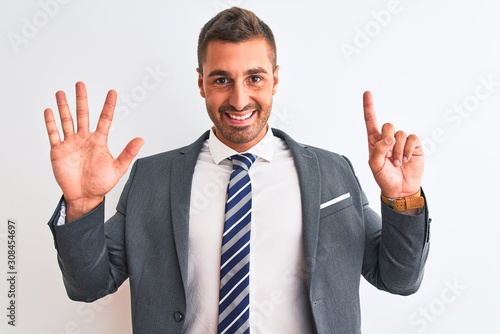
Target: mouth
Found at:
x=240, y=118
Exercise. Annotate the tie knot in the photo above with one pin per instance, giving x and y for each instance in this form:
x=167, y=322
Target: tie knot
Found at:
x=244, y=160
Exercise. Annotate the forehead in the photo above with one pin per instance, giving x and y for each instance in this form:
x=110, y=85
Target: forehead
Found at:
x=240, y=56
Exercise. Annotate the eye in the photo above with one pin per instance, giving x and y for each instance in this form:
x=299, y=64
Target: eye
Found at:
x=221, y=81
x=255, y=79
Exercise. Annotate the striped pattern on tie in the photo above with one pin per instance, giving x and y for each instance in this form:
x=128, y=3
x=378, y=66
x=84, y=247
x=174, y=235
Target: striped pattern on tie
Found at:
x=234, y=297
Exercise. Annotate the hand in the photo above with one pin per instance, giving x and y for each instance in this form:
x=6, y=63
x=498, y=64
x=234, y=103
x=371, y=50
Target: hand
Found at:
x=82, y=164
x=396, y=160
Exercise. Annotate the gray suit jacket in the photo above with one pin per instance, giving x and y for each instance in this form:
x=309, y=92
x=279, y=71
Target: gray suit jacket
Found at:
x=147, y=242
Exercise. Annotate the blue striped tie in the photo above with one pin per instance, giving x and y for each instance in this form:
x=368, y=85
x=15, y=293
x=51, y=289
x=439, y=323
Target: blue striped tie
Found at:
x=234, y=297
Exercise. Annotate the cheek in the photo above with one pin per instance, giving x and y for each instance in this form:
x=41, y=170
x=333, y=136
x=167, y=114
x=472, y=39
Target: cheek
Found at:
x=211, y=101
x=265, y=98
x=216, y=98
x=212, y=108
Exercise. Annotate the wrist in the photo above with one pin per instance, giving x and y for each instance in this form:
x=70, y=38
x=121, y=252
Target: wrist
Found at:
x=78, y=208
x=406, y=203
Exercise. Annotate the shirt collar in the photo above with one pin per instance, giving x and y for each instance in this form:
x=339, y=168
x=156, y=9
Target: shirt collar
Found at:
x=264, y=149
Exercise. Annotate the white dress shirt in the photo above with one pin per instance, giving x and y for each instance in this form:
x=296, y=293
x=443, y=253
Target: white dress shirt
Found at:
x=278, y=293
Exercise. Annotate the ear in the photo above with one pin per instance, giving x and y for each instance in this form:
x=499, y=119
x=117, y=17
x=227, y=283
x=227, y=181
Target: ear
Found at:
x=275, y=79
x=200, y=83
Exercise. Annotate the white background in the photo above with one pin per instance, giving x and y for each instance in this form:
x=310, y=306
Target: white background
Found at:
x=423, y=60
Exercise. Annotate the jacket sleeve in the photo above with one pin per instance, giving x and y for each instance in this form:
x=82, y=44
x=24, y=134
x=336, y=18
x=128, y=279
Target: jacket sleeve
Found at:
x=396, y=246
x=91, y=253
x=396, y=251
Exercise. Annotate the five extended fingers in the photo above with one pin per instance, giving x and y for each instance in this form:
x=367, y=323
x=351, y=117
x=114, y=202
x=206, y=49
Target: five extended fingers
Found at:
x=82, y=114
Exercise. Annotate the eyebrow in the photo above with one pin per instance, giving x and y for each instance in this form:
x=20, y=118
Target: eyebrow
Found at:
x=218, y=73
x=257, y=70
x=222, y=73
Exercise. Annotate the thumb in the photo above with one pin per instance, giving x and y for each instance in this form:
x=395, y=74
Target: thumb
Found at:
x=381, y=150
x=128, y=154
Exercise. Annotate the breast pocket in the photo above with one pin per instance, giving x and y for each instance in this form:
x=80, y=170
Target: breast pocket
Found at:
x=336, y=204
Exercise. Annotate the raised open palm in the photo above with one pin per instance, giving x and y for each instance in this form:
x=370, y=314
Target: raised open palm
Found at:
x=82, y=163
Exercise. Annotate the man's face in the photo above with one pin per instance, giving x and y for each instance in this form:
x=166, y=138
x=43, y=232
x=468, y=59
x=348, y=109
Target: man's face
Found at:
x=238, y=84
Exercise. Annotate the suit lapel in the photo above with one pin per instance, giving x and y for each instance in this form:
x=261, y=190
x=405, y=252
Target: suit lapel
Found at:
x=307, y=166
x=180, y=194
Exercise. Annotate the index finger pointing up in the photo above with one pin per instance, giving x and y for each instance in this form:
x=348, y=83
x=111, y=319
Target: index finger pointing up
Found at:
x=370, y=118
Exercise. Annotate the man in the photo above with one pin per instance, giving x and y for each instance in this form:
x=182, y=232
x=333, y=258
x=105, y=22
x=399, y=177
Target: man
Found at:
x=312, y=232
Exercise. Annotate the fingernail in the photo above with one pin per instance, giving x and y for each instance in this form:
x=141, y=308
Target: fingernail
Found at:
x=405, y=160
x=396, y=163
x=388, y=140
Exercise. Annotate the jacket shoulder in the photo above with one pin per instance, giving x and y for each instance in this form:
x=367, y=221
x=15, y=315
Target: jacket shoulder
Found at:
x=323, y=155
x=166, y=157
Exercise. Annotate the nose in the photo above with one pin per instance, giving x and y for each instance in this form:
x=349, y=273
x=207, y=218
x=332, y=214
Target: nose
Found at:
x=239, y=97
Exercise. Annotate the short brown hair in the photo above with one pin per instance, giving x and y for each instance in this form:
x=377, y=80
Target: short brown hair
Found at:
x=234, y=25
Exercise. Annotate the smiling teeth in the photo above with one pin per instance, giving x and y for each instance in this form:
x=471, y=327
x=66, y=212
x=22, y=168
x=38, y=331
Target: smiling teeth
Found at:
x=240, y=118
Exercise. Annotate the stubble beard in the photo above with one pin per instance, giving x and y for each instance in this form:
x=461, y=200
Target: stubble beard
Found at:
x=241, y=134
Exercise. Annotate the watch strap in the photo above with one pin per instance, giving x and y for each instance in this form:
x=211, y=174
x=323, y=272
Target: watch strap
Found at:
x=415, y=201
